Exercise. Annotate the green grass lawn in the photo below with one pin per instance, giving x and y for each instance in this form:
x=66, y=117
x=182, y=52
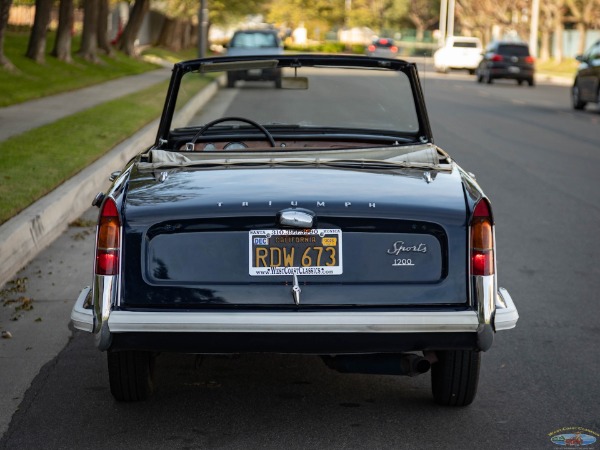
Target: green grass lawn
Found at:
x=31, y=80
x=34, y=163
x=565, y=69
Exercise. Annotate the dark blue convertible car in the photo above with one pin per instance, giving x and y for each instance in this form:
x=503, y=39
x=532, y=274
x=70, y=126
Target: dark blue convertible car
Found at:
x=318, y=218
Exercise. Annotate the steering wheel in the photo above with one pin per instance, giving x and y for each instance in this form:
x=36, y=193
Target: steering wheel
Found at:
x=190, y=145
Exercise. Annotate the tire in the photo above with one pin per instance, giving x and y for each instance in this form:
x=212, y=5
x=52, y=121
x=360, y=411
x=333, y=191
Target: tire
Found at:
x=479, y=77
x=531, y=82
x=575, y=98
x=230, y=80
x=520, y=82
x=278, y=83
x=131, y=375
x=471, y=71
x=454, y=377
x=488, y=77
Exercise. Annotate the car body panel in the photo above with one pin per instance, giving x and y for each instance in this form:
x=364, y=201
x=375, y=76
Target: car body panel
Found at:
x=310, y=226
x=254, y=42
x=509, y=60
x=382, y=48
x=587, y=79
x=458, y=52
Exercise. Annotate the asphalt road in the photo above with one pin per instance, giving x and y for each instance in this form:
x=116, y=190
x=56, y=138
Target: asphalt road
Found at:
x=537, y=160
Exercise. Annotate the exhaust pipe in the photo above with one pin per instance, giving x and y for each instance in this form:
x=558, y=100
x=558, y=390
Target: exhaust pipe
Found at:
x=407, y=364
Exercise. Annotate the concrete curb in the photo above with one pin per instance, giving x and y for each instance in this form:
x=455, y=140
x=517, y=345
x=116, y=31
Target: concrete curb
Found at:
x=31, y=231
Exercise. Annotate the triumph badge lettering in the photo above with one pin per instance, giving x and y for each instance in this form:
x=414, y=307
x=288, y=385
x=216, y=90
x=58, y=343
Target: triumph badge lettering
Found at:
x=295, y=252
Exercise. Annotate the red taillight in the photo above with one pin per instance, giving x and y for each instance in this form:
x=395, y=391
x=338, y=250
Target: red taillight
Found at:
x=497, y=58
x=371, y=48
x=529, y=59
x=394, y=49
x=108, y=241
x=482, y=240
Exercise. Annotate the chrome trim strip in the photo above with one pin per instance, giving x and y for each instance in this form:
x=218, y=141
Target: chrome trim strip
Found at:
x=293, y=322
x=104, y=297
x=506, y=311
x=82, y=318
x=485, y=298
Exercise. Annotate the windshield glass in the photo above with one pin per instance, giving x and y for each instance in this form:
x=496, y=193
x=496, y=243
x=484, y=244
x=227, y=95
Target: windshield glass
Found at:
x=352, y=99
x=251, y=39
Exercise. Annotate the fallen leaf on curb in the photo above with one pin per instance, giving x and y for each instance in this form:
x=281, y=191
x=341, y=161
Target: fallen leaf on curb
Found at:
x=6, y=335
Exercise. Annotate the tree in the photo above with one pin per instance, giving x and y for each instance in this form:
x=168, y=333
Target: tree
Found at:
x=178, y=30
x=314, y=15
x=4, y=10
x=62, y=44
x=130, y=33
x=102, y=29
x=423, y=14
x=89, y=35
x=583, y=13
x=36, y=48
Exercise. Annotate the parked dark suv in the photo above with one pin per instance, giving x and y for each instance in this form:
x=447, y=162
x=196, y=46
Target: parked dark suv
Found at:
x=506, y=60
x=252, y=43
x=586, y=87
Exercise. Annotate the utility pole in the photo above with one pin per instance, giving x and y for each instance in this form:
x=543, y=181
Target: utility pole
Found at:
x=450, y=31
x=533, y=32
x=443, y=21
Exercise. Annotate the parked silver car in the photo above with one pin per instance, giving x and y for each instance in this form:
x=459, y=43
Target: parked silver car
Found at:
x=253, y=43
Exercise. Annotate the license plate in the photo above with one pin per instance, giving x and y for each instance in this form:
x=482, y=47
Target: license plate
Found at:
x=255, y=72
x=300, y=252
x=513, y=69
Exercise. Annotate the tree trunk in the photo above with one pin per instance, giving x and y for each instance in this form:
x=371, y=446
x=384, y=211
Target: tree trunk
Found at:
x=132, y=29
x=420, y=33
x=89, y=35
x=62, y=45
x=36, y=49
x=102, y=30
x=4, y=9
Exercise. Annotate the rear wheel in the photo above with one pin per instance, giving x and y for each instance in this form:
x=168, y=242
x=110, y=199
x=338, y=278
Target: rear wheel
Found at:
x=454, y=377
x=576, y=98
x=131, y=375
x=230, y=80
x=531, y=82
x=488, y=77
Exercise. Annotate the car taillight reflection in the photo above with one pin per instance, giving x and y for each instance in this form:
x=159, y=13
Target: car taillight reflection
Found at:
x=482, y=240
x=371, y=48
x=108, y=240
x=394, y=49
x=529, y=59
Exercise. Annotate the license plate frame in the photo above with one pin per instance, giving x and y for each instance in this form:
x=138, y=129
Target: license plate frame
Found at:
x=296, y=252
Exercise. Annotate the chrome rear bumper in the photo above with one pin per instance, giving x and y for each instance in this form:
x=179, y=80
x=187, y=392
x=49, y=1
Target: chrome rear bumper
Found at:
x=505, y=318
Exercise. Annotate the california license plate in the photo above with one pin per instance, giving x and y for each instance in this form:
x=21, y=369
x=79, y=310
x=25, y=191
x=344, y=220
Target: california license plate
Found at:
x=300, y=252
x=514, y=69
